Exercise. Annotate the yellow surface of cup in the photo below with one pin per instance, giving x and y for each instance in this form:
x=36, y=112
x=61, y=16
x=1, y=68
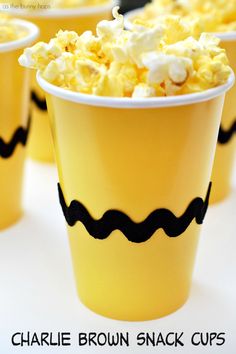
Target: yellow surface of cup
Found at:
x=225, y=151
x=40, y=145
x=14, y=116
x=134, y=160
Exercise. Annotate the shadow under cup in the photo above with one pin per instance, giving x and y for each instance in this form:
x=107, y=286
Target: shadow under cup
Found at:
x=134, y=188
x=14, y=124
x=50, y=22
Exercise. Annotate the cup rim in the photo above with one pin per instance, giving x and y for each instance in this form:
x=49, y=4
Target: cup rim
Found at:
x=224, y=36
x=126, y=102
x=24, y=41
x=63, y=12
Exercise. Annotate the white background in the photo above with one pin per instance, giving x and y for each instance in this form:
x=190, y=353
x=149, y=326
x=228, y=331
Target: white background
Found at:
x=37, y=291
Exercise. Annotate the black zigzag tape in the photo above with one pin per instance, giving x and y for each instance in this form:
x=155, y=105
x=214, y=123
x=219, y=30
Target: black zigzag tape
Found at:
x=226, y=135
x=135, y=232
x=19, y=137
x=40, y=103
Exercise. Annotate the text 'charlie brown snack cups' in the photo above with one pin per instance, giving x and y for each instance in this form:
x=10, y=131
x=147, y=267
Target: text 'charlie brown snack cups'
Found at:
x=14, y=122
x=134, y=188
x=50, y=21
x=225, y=151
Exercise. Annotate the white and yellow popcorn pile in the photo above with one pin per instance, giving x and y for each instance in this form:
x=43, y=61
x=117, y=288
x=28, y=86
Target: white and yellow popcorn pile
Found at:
x=9, y=31
x=213, y=15
x=159, y=61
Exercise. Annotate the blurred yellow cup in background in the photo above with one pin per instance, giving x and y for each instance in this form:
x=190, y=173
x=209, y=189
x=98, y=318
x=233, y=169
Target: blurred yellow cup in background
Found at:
x=134, y=188
x=40, y=145
x=225, y=152
x=14, y=123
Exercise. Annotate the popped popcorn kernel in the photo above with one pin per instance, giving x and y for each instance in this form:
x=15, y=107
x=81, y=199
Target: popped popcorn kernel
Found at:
x=144, y=90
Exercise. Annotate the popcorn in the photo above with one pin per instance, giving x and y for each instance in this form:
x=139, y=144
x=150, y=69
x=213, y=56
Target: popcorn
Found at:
x=213, y=15
x=9, y=31
x=161, y=61
x=161, y=7
x=163, y=66
x=42, y=54
x=216, y=15
x=143, y=90
x=111, y=29
x=143, y=42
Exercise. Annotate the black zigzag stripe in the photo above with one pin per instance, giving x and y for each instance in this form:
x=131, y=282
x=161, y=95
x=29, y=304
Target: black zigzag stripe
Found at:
x=19, y=137
x=40, y=103
x=135, y=232
x=226, y=135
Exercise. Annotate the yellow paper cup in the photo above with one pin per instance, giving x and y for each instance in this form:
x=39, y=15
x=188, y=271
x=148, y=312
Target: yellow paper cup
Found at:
x=50, y=22
x=225, y=152
x=134, y=187
x=14, y=123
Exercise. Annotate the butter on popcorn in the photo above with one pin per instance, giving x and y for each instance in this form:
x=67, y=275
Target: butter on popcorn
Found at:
x=145, y=63
x=212, y=15
x=9, y=31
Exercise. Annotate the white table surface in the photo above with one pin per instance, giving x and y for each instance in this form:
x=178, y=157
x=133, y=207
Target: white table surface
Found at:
x=37, y=291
